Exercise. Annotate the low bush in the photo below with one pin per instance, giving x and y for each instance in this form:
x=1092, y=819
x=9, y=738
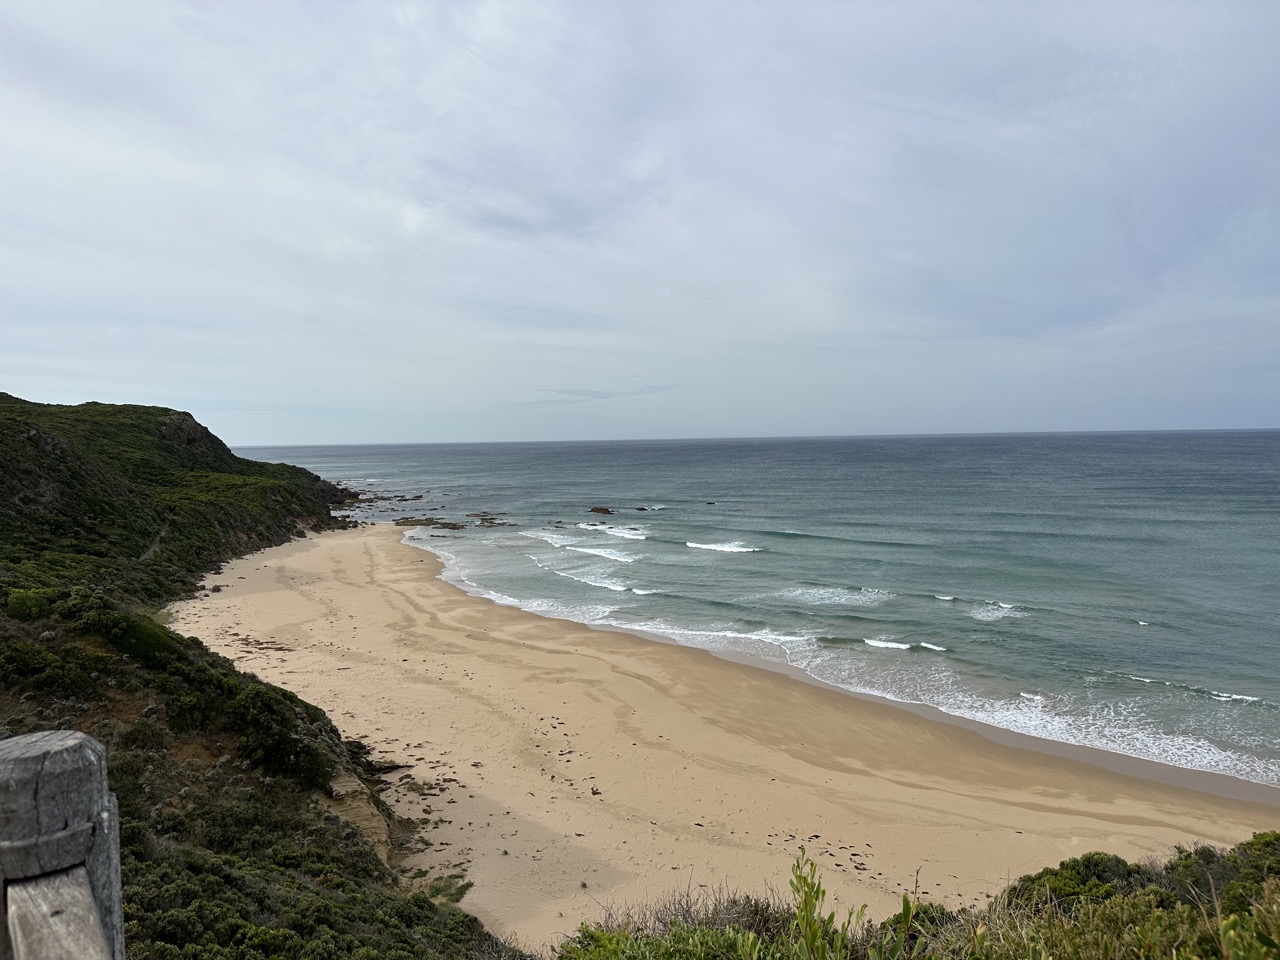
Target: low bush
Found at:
x=29, y=604
x=1092, y=877
x=1232, y=877
x=1078, y=922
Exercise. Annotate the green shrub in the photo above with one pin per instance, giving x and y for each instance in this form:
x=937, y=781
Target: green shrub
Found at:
x=1233, y=877
x=147, y=641
x=145, y=735
x=22, y=660
x=1092, y=877
x=272, y=735
x=89, y=612
x=1143, y=924
x=685, y=929
x=32, y=666
x=680, y=943
x=815, y=935
x=30, y=604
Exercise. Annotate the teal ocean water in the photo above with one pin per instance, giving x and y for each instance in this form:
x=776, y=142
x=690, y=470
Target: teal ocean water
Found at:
x=1116, y=591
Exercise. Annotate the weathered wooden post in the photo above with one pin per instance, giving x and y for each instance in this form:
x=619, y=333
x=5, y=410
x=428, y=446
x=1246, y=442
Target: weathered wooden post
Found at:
x=59, y=850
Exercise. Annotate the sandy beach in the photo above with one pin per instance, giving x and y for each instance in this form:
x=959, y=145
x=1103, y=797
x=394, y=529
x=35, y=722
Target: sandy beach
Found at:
x=567, y=768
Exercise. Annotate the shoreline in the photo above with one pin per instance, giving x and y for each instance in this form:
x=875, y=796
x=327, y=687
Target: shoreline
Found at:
x=566, y=767
x=1212, y=782
x=1201, y=781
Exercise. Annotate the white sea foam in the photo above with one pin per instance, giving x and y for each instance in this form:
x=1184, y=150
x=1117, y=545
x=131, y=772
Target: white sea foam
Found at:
x=606, y=553
x=993, y=610
x=766, y=643
x=1190, y=688
x=1120, y=726
x=565, y=611
x=817, y=595
x=886, y=641
x=932, y=646
x=866, y=597
x=643, y=593
x=1133, y=736
x=593, y=581
x=627, y=533
x=1057, y=718
x=737, y=546
x=938, y=596
x=555, y=539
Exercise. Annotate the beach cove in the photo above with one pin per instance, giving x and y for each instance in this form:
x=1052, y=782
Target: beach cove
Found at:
x=574, y=767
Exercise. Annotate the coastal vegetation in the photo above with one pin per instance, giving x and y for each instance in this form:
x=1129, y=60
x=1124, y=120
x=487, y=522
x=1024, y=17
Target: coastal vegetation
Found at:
x=229, y=848
x=137, y=502
x=1201, y=903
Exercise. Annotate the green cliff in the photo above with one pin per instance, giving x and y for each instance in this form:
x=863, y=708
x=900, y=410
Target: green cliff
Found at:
x=137, y=501
x=106, y=513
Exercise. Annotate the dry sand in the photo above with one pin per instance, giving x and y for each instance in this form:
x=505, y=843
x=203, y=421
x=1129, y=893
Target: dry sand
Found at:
x=568, y=768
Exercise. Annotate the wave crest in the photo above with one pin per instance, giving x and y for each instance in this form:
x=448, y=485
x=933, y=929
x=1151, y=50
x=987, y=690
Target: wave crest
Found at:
x=606, y=553
x=993, y=610
x=885, y=641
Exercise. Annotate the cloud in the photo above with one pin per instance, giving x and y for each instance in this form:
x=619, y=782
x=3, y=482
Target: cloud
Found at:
x=568, y=396
x=821, y=218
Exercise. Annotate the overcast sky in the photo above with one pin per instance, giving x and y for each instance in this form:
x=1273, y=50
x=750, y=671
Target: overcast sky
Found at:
x=338, y=221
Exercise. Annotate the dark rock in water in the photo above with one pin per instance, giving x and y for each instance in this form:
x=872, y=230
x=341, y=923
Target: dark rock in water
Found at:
x=439, y=522
x=605, y=510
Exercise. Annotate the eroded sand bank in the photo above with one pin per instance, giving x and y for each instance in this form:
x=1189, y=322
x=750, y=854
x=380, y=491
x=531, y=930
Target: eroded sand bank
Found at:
x=574, y=767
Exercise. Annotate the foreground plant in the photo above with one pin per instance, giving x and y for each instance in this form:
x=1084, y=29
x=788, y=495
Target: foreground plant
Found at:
x=1095, y=907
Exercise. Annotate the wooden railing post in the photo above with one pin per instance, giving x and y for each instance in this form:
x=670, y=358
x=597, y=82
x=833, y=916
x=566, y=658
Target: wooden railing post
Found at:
x=59, y=848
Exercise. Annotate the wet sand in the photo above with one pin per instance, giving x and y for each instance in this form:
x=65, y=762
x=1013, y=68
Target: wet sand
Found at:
x=566, y=768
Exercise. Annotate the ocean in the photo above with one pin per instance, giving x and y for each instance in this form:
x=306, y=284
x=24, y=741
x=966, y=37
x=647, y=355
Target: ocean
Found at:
x=1119, y=591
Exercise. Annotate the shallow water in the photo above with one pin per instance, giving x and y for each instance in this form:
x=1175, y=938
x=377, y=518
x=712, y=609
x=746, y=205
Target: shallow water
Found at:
x=1117, y=591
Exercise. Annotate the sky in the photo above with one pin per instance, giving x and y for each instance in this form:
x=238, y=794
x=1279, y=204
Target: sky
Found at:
x=339, y=221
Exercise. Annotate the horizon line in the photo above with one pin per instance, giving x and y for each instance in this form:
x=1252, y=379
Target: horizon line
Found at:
x=769, y=438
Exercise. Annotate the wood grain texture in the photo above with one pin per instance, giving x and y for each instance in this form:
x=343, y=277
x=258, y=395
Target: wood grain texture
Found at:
x=56, y=813
x=55, y=916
